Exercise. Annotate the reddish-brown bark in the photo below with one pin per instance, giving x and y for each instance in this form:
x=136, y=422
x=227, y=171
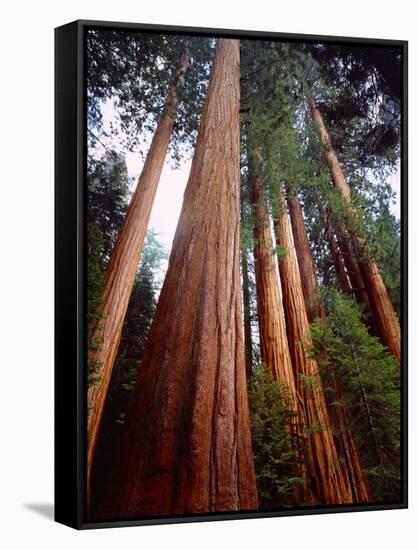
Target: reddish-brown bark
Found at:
x=353, y=270
x=340, y=270
x=381, y=306
x=188, y=430
x=314, y=308
x=329, y=476
x=346, y=446
x=358, y=288
x=121, y=271
x=274, y=346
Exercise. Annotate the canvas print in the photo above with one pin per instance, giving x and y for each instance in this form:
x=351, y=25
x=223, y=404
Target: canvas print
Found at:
x=243, y=274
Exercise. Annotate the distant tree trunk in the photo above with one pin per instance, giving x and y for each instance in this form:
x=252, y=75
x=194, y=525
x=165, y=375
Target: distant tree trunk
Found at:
x=121, y=271
x=314, y=308
x=353, y=270
x=247, y=313
x=338, y=413
x=356, y=280
x=274, y=346
x=381, y=305
x=329, y=476
x=188, y=430
x=337, y=256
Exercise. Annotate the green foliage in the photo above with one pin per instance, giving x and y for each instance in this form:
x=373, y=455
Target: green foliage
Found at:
x=355, y=94
x=370, y=379
x=135, y=330
x=107, y=191
x=309, y=383
x=137, y=323
x=134, y=72
x=358, y=92
x=382, y=230
x=272, y=445
x=95, y=285
x=107, y=199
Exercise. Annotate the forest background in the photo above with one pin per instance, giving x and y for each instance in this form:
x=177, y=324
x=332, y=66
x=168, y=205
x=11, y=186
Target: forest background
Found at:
x=288, y=92
x=28, y=486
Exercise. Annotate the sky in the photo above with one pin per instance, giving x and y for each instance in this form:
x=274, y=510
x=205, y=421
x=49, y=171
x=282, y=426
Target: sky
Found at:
x=168, y=201
x=169, y=198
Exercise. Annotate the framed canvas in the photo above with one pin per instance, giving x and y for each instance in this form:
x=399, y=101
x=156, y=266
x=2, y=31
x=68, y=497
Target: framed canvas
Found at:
x=231, y=274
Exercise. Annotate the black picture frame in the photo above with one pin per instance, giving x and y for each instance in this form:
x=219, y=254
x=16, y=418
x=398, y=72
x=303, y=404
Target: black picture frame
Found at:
x=70, y=274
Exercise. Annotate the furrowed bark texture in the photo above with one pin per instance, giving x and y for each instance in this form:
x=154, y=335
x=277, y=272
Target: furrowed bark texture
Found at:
x=188, y=422
x=120, y=275
x=346, y=446
x=380, y=303
x=328, y=474
x=274, y=345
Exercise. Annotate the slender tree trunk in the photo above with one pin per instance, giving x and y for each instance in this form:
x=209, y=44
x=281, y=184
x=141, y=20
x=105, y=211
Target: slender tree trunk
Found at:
x=120, y=275
x=314, y=308
x=247, y=313
x=338, y=413
x=337, y=257
x=353, y=270
x=330, y=477
x=188, y=421
x=356, y=280
x=273, y=339
x=381, y=305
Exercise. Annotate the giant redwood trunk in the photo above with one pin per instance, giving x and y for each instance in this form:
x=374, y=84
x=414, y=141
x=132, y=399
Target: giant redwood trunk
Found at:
x=121, y=271
x=188, y=431
x=338, y=413
x=274, y=346
x=383, y=310
x=330, y=477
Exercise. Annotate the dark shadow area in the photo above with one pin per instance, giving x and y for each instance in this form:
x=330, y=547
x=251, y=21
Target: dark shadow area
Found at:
x=45, y=510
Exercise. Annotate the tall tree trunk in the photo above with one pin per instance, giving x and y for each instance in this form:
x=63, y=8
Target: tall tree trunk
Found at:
x=347, y=269
x=381, y=305
x=338, y=413
x=314, y=308
x=121, y=271
x=356, y=280
x=330, y=477
x=353, y=270
x=274, y=345
x=189, y=441
x=340, y=270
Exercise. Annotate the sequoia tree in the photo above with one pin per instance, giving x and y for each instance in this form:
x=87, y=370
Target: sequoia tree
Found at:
x=330, y=477
x=383, y=310
x=338, y=413
x=188, y=444
x=274, y=345
x=307, y=271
